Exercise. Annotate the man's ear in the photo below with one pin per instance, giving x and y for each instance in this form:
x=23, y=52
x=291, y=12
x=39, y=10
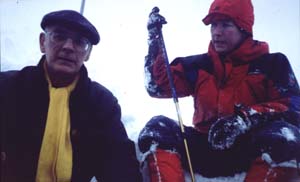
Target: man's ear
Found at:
x=42, y=42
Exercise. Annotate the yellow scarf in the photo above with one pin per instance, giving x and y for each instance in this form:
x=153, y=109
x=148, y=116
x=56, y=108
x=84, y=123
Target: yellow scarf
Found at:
x=55, y=160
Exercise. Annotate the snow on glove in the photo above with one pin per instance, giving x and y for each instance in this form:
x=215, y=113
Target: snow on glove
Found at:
x=155, y=23
x=155, y=43
x=224, y=132
x=154, y=27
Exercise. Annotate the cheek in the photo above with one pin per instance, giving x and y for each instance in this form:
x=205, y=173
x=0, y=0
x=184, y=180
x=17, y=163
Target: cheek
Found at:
x=236, y=41
x=42, y=48
x=48, y=48
x=81, y=60
x=232, y=39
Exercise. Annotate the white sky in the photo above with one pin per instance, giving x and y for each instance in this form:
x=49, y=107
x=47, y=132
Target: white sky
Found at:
x=117, y=62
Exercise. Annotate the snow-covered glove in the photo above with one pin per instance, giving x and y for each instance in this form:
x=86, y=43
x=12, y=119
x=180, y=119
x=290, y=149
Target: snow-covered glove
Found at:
x=224, y=132
x=155, y=23
x=154, y=26
x=156, y=44
x=160, y=130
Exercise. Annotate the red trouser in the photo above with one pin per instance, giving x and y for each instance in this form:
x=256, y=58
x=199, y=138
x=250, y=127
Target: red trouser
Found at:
x=260, y=171
x=165, y=166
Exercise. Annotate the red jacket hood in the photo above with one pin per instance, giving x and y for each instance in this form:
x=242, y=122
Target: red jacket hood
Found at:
x=240, y=11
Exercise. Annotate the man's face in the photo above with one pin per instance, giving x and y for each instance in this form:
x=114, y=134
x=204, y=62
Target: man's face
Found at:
x=65, y=50
x=226, y=36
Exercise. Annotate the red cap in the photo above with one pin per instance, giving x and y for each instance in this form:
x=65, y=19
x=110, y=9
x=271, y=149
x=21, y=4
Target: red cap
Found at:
x=240, y=11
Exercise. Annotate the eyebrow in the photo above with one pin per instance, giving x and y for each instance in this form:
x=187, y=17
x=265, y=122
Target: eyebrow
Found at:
x=59, y=29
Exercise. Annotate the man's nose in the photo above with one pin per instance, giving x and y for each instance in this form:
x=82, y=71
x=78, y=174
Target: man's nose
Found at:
x=217, y=29
x=69, y=44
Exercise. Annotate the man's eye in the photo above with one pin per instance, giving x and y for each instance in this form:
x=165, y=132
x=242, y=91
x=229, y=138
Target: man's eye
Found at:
x=80, y=42
x=59, y=37
x=227, y=25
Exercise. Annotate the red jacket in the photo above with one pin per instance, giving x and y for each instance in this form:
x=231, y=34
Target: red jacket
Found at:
x=249, y=76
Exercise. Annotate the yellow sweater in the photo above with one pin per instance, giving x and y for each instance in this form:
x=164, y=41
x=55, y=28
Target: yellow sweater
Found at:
x=55, y=160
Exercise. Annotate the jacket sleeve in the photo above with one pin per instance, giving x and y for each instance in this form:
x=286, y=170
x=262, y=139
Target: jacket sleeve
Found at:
x=283, y=94
x=117, y=155
x=156, y=78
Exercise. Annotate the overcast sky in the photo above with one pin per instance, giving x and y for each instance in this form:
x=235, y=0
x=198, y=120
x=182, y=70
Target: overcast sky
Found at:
x=117, y=62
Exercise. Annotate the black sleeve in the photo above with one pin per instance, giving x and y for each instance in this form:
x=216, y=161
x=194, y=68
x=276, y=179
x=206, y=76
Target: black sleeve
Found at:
x=118, y=161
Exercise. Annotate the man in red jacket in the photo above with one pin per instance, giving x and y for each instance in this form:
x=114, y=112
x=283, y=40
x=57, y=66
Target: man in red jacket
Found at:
x=246, y=100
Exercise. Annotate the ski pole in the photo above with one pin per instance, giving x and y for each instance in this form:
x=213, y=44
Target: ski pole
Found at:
x=298, y=168
x=174, y=95
x=82, y=6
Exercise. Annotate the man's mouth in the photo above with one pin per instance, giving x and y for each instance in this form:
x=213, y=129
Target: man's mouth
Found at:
x=219, y=42
x=65, y=59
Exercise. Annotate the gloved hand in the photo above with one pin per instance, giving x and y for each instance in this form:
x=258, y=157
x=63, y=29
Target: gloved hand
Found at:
x=155, y=23
x=154, y=27
x=224, y=132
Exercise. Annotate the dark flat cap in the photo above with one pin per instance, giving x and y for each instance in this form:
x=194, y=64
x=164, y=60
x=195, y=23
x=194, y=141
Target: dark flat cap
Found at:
x=74, y=20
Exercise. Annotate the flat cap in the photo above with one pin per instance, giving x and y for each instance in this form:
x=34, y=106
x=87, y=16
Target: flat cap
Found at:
x=74, y=20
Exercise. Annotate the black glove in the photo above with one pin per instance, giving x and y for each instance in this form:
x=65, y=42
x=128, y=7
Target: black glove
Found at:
x=155, y=23
x=154, y=27
x=224, y=132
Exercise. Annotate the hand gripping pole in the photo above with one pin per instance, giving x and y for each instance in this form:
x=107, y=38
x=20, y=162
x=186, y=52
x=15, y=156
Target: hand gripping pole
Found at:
x=174, y=95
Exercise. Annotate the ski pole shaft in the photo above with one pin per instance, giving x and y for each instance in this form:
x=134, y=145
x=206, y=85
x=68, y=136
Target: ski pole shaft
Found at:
x=82, y=6
x=185, y=142
x=175, y=98
x=298, y=167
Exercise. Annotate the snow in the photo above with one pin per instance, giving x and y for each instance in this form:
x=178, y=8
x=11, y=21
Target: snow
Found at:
x=266, y=157
x=162, y=124
x=241, y=124
x=117, y=62
x=252, y=111
x=198, y=178
x=288, y=134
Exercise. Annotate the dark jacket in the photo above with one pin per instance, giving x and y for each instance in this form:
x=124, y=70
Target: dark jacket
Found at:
x=100, y=144
x=265, y=83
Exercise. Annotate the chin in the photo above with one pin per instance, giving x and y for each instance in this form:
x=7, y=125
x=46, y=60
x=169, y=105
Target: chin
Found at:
x=221, y=51
x=66, y=71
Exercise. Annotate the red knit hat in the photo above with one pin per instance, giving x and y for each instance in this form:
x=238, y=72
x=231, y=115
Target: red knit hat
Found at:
x=240, y=11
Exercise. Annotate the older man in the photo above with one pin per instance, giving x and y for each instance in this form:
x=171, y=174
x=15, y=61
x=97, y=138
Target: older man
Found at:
x=57, y=124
